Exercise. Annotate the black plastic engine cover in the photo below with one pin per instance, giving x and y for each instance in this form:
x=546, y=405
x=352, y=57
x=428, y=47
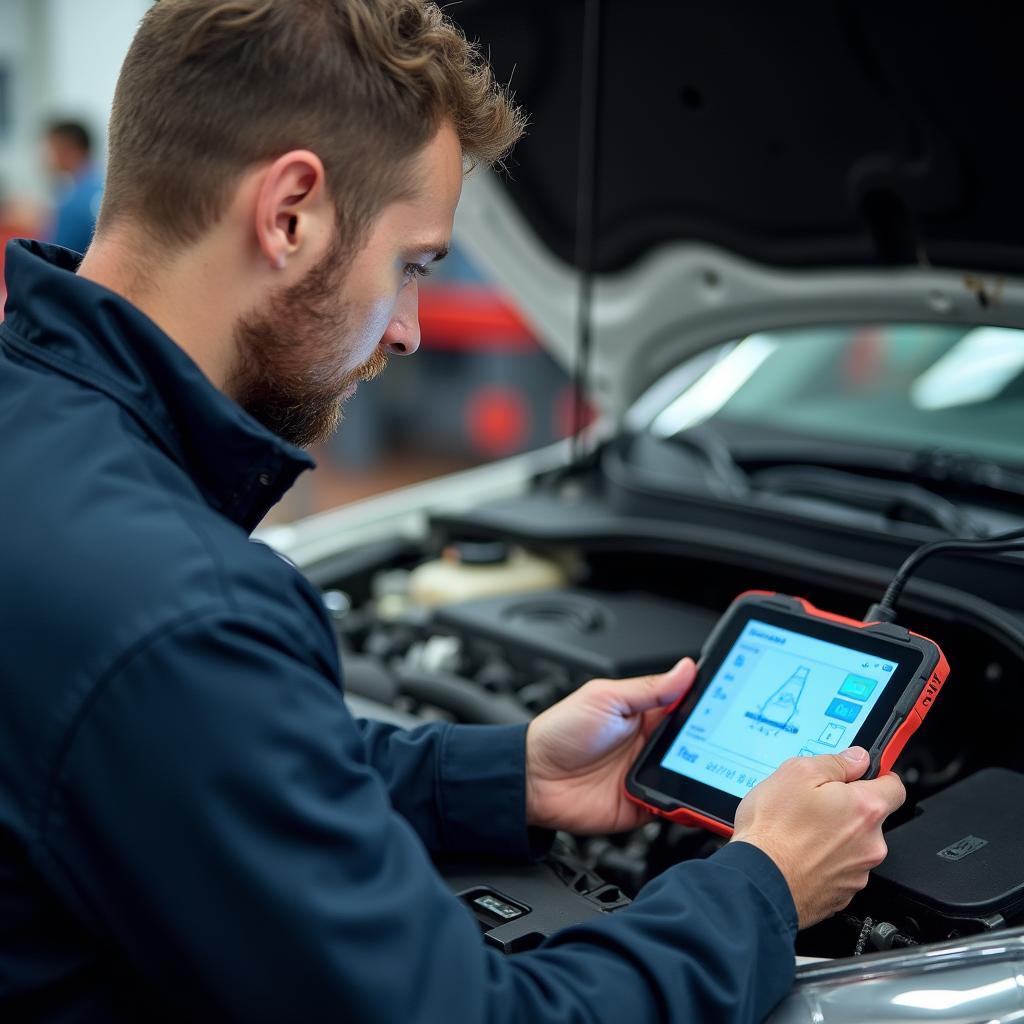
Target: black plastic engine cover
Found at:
x=587, y=633
x=519, y=905
x=956, y=868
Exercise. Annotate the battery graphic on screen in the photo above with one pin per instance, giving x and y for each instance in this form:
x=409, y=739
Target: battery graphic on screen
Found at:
x=778, y=694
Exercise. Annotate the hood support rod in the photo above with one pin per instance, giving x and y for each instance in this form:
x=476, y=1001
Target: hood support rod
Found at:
x=587, y=183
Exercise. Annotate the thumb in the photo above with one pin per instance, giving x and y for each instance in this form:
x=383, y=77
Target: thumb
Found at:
x=642, y=693
x=848, y=766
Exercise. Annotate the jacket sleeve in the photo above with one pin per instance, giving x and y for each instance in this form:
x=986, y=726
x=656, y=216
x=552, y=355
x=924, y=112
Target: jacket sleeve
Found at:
x=461, y=787
x=213, y=820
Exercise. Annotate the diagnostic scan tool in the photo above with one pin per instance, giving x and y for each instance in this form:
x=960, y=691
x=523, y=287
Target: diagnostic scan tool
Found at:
x=779, y=678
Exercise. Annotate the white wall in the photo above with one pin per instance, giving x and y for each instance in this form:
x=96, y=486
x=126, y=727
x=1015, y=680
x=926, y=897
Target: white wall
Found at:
x=87, y=41
x=66, y=55
x=19, y=46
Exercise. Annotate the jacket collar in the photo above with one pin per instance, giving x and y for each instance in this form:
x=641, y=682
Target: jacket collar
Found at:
x=87, y=332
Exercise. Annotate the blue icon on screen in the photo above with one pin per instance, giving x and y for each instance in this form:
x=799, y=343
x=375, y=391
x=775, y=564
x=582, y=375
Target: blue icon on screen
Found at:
x=857, y=687
x=844, y=710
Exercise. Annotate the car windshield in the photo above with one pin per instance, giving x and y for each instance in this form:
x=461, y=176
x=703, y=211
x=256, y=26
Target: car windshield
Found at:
x=906, y=386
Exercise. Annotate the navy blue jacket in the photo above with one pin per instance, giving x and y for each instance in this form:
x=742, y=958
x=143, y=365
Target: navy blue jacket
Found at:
x=192, y=825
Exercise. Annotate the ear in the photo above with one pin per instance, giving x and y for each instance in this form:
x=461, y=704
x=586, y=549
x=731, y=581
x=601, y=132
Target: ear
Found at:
x=291, y=207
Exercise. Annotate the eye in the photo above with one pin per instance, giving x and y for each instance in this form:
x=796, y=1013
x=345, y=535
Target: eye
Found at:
x=412, y=270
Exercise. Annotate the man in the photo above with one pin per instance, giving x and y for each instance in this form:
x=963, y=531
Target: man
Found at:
x=80, y=184
x=192, y=826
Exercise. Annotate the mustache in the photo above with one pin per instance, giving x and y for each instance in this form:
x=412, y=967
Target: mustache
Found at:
x=373, y=367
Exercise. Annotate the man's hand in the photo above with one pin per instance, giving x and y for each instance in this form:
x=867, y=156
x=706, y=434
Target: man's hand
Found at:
x=821, y=827
x=579, y=751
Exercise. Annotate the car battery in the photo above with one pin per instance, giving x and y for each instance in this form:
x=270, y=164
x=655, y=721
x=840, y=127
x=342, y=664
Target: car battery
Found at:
x=957, y=867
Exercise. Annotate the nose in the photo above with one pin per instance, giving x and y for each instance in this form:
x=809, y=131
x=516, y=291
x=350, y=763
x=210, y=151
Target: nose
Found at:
x=402, y=335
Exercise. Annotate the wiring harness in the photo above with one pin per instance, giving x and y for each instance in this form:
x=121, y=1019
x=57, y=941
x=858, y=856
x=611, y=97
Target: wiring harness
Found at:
x=885, y=610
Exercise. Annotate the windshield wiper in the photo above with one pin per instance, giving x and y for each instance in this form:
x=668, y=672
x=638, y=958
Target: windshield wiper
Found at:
x=893, y=499
x=942, y=468
x=948, y=468
x=890, y=483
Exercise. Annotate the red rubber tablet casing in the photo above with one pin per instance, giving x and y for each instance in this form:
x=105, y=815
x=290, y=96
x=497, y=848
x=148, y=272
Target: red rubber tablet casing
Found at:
x=917, y=700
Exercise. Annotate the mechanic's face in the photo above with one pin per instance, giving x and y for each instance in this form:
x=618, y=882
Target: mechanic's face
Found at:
x=303, y=354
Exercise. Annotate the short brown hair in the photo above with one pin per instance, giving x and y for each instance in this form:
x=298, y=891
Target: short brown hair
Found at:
x=211, y=88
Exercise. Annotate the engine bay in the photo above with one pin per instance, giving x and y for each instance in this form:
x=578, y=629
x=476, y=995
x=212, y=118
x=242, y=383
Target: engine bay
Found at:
x=482, y=623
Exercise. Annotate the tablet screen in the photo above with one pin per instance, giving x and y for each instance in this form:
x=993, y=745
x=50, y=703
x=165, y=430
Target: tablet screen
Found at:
x=777, y=694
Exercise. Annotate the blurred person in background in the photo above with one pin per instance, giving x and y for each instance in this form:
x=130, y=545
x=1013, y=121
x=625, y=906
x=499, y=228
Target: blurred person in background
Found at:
x=69, y=157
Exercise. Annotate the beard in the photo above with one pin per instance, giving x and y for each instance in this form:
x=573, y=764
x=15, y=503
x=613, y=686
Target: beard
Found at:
x=290, y=374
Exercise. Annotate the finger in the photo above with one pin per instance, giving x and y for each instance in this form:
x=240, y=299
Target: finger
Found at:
x=889, y=788
x=642, y=693
x=845, y=767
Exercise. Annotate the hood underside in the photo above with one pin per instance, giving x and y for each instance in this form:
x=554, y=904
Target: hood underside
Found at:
x=753, y=166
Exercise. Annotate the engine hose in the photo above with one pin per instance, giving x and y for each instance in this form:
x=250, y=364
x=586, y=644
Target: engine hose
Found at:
x=460, y=697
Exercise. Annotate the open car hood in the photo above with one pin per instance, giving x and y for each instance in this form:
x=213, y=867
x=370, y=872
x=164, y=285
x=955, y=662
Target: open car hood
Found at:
x=755, y=166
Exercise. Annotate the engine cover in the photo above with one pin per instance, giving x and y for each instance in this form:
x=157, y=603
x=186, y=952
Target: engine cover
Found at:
x=956, y=867
x=584, y=633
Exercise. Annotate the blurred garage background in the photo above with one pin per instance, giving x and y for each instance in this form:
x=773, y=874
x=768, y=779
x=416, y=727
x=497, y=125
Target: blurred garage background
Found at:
x=480, y=387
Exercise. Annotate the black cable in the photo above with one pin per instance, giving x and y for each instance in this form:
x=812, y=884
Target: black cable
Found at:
x=887, y=936
x=878, y=935
x=885, y=610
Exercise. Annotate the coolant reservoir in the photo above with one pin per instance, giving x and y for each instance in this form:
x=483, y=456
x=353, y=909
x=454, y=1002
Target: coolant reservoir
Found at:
x=472, y=569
